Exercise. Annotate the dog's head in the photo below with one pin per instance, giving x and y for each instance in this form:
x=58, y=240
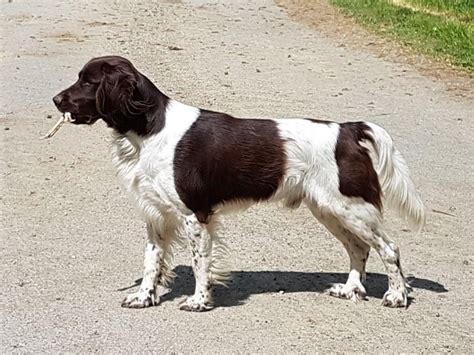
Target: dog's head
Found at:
x=109, y=88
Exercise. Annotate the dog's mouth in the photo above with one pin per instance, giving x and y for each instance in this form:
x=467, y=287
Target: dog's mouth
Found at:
x=78, y=119
x=76, y=116
x=88, y=120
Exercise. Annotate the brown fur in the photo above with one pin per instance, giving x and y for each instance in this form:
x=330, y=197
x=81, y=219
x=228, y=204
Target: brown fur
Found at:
x=357, y=177
x=223, y=159
x=112, y=89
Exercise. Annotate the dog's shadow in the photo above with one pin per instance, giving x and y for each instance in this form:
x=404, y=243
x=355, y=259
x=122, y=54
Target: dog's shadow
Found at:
x=243, y=284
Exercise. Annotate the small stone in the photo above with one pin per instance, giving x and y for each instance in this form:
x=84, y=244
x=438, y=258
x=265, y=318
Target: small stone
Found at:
x=7, y=128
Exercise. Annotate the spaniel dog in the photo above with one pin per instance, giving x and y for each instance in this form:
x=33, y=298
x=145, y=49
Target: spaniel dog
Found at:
x=185, y=167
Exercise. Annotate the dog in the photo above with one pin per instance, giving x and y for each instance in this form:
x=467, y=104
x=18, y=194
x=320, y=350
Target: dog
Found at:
x=185, y=167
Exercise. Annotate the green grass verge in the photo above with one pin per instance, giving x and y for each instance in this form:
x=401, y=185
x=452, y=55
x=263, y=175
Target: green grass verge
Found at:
x=462, y=9
x=444, y=32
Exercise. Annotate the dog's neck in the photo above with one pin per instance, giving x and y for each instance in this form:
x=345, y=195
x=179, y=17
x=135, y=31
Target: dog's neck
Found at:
x=143, y=124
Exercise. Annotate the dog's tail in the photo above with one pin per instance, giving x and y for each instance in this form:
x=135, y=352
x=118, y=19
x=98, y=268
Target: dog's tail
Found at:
x=397, y=187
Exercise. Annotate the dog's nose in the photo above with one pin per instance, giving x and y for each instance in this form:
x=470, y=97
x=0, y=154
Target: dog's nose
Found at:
x=57, y=100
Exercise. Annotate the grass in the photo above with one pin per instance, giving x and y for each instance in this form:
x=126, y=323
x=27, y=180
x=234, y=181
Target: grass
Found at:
x=463, y=9
x=441, y=28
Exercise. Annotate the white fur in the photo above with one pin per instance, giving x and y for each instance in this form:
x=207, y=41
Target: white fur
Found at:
x=146, y=167
x=312, y=169
x=398, y=188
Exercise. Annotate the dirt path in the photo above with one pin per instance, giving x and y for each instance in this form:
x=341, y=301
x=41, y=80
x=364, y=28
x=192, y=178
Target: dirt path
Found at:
x=331, y=21
x=71, y=243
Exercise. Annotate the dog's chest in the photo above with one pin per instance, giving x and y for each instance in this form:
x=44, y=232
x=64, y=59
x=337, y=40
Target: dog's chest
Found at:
x=146, y=172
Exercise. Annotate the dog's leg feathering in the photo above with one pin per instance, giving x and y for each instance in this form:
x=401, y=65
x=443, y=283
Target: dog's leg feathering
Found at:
x=156, y=269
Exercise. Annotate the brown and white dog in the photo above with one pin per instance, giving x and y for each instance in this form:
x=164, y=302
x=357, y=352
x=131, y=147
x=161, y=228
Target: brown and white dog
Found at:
x=185, y=167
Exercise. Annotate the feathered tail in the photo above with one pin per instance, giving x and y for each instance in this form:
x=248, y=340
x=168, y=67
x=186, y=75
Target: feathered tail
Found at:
x=398, y=189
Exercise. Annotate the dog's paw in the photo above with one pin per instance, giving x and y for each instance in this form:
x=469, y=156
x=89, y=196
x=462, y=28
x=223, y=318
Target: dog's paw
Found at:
x=195, y=304
x=353, y=292
x=141, y=299
x=395, y=298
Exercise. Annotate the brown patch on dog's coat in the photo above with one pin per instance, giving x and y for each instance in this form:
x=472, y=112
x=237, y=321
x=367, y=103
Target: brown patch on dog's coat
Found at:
x=222, y=159
x=357, y=176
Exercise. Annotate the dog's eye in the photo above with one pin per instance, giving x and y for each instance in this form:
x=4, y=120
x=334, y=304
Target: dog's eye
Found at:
x=86, y=80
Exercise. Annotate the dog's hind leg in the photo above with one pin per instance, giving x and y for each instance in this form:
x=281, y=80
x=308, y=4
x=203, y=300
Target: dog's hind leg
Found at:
x=156, y=268
x=200, y=241
x=357, y=250
x=364, y=220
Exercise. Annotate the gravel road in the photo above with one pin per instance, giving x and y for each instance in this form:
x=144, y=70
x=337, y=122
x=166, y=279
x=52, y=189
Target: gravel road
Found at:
x=72, y=245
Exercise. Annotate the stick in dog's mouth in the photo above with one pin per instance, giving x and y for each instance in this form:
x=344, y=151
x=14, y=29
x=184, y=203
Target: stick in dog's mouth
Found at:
x=66, y=117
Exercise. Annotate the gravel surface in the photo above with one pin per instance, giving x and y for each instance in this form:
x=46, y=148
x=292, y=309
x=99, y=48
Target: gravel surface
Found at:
x=72, y=245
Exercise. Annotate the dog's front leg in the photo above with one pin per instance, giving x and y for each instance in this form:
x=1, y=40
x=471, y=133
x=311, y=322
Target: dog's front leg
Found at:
x=155, y=250
x=200, y=241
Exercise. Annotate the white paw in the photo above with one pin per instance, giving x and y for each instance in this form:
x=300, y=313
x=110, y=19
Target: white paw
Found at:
x=195, y=304
x=141, y=299
x=353, y=292
x=395, y=298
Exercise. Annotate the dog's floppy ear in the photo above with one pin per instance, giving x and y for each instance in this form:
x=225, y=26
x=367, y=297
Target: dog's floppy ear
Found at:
x=120, y=94
x=114, y=96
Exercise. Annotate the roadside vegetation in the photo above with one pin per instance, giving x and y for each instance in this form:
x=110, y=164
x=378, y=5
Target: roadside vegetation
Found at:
x=441, y=28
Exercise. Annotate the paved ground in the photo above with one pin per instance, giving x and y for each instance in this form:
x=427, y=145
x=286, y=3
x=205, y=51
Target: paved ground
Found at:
x=71, y=244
